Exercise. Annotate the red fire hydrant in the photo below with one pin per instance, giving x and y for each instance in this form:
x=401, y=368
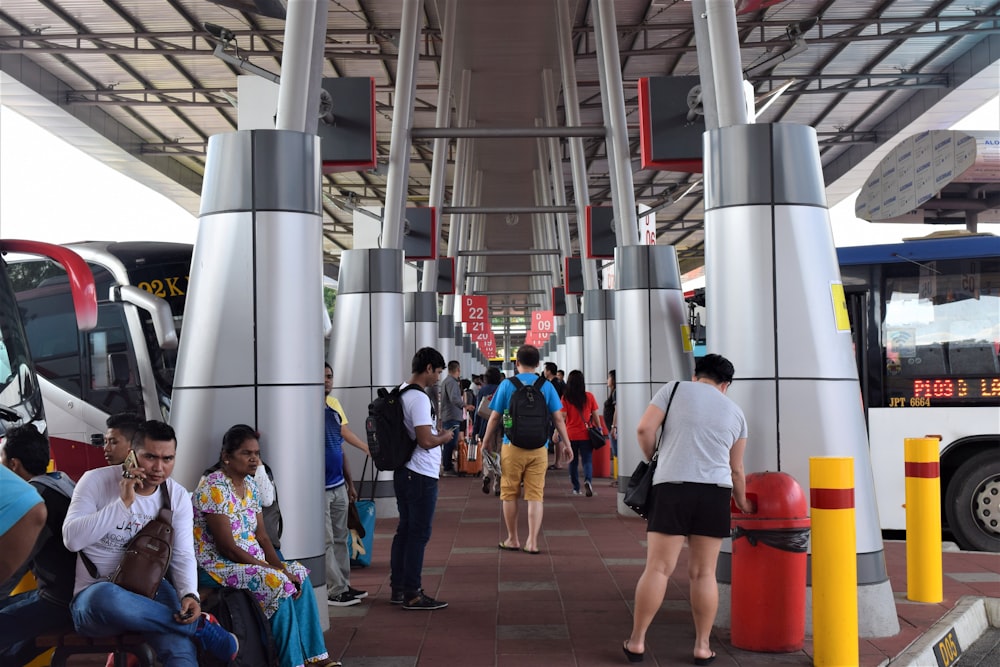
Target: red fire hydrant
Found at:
x=769, y=566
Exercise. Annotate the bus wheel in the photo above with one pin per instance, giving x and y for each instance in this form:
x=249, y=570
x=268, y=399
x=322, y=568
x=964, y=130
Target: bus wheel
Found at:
x=972, y=503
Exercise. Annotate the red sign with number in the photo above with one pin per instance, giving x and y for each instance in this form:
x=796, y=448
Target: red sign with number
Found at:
x=542, y=326
x=474, y=309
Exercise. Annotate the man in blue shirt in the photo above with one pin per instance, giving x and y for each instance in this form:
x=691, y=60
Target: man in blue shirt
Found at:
x=340, y=492
x=520, y=465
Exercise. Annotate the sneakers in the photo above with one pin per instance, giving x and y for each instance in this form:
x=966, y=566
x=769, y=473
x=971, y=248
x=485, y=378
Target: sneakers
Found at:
x=589, y=488
x=397, y=598
x=576, y=492
x=449, y=473
x=132, y=660
x=423, y=602
x=487, y=484
x=215, y=639
x=356, y=593
x=344, y=599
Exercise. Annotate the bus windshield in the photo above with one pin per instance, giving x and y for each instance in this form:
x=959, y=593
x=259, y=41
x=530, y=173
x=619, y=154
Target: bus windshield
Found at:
x=942, y=331
x=17, y=389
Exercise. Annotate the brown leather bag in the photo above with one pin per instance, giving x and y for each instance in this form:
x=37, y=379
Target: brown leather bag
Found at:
x=147, y=556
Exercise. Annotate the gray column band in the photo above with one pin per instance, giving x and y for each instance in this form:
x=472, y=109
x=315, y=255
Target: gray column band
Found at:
x=574, y=325
x=237, y=161
x=599, y=304
x=420, y=307
x=458, y=336
x=776, y=163
x=446, y=326
x=871, y=567
x=553, y=341
x=371, y=270
x=646, y=267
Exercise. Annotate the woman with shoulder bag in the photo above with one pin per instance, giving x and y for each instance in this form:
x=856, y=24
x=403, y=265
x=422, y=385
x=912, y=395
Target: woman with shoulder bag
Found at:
x=699, y=468
x=581, y=414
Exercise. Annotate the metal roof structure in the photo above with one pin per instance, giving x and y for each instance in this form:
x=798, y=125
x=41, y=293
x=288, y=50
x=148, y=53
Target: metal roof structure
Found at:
x=137, y=85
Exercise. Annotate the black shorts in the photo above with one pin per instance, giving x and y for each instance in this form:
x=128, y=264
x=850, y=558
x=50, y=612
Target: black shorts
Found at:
x=690, y=509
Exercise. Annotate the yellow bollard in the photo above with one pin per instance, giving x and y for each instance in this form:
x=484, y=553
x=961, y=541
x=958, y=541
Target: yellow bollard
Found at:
x=834, y=562
x=924, y=569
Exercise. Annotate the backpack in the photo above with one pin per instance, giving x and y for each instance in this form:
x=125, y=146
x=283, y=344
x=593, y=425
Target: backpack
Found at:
x=529, y=415
x=238, y=612
x=388, y=440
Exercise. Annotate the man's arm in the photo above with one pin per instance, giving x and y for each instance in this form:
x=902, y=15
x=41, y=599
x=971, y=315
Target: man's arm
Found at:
x=427, y=440
x=16, y=544
x=564, y=444
x=648, y=425
x=85, y=522
x=354, y=440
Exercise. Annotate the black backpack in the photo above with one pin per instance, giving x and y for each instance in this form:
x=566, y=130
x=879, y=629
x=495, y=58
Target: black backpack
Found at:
x=238, y=612
x=529, y=415
x=388, y=440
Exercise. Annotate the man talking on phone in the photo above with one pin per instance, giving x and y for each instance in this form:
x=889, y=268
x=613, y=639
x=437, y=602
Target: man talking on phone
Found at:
x=109, y=506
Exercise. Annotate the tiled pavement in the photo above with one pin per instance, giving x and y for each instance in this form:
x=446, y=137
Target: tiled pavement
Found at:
x=570, y=605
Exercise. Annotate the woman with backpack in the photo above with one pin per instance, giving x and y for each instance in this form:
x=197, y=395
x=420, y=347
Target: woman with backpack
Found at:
x=581, y=412
x=234, y=549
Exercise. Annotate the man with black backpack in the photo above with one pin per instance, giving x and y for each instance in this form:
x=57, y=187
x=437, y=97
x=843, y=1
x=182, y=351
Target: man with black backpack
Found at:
x=416, y=484
x=45, y=609
x=525, y=404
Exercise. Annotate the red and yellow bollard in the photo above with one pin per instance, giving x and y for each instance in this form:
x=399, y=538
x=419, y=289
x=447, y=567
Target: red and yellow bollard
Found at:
x=924, y=568
x=834, y=562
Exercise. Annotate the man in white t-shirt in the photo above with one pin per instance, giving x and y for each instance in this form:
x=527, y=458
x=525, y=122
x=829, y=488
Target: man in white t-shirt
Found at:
x=109, y=506
x=416, y=485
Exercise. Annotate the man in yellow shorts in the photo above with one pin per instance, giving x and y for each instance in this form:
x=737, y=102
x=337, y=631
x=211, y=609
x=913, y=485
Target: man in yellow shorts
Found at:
x=523, y=406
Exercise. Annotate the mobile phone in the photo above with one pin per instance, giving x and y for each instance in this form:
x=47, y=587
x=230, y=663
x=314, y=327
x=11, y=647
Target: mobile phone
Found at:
x=130, y=461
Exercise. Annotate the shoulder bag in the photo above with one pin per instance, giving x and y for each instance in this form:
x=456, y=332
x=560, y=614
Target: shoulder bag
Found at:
x=596, y=435
x=640, y=484
x=147, y=556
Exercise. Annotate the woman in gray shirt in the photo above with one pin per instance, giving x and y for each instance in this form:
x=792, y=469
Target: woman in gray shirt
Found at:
x=699, y=468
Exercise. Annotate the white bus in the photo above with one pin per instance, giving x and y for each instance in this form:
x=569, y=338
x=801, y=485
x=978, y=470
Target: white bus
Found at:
x=20, y=396
x=925, y=320
x=126, y=363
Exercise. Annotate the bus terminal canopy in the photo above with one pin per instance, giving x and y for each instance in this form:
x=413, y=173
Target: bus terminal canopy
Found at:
x=149, y=88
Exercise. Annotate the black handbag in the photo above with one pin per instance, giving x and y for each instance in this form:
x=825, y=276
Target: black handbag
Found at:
x=596, y=435
x=640, y=484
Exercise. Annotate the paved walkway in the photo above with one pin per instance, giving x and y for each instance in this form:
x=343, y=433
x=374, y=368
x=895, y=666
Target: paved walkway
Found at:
x=570, y=605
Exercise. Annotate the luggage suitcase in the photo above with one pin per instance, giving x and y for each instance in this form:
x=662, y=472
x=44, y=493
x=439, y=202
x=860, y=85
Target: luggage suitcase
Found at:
x=469, y=460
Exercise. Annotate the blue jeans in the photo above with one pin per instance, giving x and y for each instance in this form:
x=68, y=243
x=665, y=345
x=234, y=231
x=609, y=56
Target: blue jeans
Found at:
x=105, y=610
x=416, y=497
x=582, y=453
x=24, y=617
x=448, y=453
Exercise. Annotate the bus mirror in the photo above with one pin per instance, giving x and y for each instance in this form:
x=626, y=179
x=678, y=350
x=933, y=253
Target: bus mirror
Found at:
x=158, y=309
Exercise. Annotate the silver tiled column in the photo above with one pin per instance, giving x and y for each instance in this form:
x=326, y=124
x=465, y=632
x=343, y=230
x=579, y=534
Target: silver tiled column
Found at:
x=598, y=341
x=774, y=287
x=574, y=343
x=420, y=317
x=366, y=347
x=253, y=346
x=650, y=318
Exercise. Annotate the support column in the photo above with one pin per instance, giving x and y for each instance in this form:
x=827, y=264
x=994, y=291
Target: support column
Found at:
x=574, y=343
x=648, y=289
x=419, y=324
x=366, y=350
x=256, y=268
x=402, y=123
x=446, y=336
x=771, y=266
x=599, y=356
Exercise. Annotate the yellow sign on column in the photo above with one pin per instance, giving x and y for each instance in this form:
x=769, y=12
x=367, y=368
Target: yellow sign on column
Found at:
x=840, y=316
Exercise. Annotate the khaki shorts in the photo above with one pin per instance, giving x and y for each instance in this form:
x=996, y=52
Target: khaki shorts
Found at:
x=523, y=465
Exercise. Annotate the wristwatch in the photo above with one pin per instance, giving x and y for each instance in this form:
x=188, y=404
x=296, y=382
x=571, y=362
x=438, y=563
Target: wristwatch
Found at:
x=193, y=596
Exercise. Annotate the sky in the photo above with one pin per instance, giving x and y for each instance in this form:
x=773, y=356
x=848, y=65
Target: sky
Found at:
x=51, y=191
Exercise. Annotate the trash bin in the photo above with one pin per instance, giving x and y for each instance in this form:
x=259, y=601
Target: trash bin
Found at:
x=769, y=566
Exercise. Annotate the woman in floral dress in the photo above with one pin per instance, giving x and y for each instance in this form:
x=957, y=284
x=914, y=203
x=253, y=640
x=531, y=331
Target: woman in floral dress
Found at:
x=233, y=547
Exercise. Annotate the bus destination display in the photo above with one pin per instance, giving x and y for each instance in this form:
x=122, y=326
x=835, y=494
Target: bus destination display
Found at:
x=939, y=391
